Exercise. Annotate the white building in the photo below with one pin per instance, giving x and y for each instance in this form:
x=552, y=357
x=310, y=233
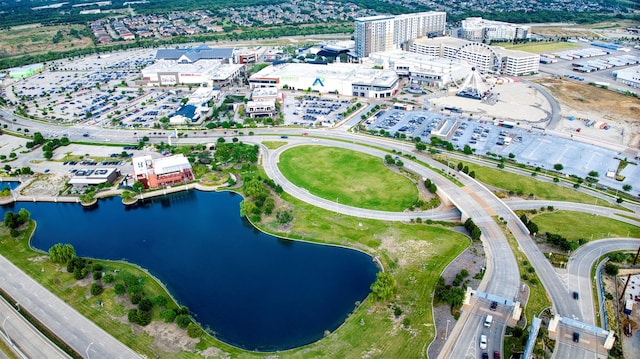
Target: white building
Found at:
x=383, y=33
x=93, y=177
x=479, y=29
x=629, y=76
x=344, y=79
x=260, y=108
x=201, y=65
x=421, y=69
x=518, y=63
x=485, y=58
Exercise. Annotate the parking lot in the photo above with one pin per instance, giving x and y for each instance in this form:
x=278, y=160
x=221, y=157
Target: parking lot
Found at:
x=484, y=135
x=314, y=111
x=97, y=90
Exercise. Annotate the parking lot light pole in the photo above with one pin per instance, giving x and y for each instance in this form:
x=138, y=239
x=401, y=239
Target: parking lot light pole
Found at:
x=4, y=329
x=446, y=332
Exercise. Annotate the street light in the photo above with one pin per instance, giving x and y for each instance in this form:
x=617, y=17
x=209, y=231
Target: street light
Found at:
x=446, y=332
x=5, y=330
x=87, y=351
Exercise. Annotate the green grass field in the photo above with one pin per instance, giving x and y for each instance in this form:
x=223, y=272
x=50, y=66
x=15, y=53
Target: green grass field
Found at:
x=525, y=186
x=348, y=177
x=539, y=47
x=576, y=225
x=416, y=253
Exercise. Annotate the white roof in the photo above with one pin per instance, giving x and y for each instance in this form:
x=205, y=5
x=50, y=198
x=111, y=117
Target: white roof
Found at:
x=170, y=164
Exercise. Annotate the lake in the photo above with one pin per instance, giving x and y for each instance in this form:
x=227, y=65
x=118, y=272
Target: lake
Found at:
x=253, y=290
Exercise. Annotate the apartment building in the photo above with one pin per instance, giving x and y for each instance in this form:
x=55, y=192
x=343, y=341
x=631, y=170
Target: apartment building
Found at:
x=384, y=33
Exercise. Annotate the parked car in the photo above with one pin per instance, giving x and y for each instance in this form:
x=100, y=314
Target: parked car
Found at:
x=483, y=342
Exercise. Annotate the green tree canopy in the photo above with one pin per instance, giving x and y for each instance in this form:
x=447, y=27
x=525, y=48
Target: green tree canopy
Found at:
x=384, y=288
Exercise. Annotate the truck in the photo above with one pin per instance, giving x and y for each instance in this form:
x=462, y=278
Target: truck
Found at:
x=628, y=306
x=488, y=320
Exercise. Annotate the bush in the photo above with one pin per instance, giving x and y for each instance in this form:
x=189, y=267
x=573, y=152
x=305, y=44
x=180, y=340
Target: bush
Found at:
x=108, y=278
x=96, y=289
x=168, y=315
x=97, y=275
x=193, y=330
x=119, y=289
x=136, y=297
x=183, y=320
x=145, y=304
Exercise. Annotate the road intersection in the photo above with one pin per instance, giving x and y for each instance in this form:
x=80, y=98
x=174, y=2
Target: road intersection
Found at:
x=472, y=200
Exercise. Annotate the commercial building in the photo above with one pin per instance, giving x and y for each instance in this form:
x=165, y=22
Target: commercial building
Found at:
x=518, y=63
x=485, y=58
x=164, y=171
x=344, y=79
x=629, y=76
x=25, y=71
x=383, y=33
x=260, y=108
x=201, y=65
x=93, y=177
x=429, y=70
x=479, y=29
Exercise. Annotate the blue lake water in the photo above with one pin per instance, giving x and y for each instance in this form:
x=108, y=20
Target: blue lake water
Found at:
x=253, y=290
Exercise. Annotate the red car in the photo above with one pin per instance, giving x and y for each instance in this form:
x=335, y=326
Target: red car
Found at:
x=496, y=355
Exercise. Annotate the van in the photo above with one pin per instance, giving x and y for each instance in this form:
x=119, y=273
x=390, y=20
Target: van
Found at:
x=488, y=320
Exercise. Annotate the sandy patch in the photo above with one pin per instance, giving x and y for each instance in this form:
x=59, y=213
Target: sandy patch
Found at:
x=516, y=101
x=45, y=185
x=588, y=103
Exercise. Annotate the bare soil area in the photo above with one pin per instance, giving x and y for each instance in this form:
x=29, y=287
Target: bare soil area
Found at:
x=39, y=39
x=45, y=185
x=586, y=102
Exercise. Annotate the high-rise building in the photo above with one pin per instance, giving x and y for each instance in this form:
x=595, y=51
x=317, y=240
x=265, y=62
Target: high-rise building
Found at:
x=479, y=29
x=383, y=33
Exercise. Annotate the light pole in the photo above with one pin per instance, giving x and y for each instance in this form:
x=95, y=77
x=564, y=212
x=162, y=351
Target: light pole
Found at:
x=446, y=332
x=87, y=351
x=5, y=330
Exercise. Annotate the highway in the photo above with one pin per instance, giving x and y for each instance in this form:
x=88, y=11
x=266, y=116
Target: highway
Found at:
x=23, y=338
x=78, y=332
x=473, y=200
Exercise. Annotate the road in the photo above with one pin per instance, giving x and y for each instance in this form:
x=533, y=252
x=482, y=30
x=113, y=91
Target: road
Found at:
x=78, y=332
x=23, y=338
x=473, y=200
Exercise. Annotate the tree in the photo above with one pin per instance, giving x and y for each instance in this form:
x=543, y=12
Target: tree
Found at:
x=611, y=269
x=61, y=253
x=183, y=320
x=145, y=304
x=421, y=146
x=194, y=330
x=384, y=288
x=168, y=315
x=627, y=187
x=558, y=167
x=119, y=289
x=96, y=289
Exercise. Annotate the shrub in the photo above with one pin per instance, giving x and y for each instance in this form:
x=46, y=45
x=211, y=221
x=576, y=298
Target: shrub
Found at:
x=96, y=289
x=119, y=289
x=168, y=315
x=193, y=330
x=183, y=320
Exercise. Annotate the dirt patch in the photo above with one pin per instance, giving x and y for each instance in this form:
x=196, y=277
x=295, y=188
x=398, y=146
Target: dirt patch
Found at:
x=585, y=102
x=45, y=185
x=169, y=338
x=39, y=39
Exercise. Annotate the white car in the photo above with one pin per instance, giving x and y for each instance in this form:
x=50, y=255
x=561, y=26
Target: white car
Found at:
x=483, y=342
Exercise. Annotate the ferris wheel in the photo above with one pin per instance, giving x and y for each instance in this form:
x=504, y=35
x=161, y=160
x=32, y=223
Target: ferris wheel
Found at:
x=483, y=60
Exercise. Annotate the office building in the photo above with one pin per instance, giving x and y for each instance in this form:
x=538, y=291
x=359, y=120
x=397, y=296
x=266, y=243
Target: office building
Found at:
x=479, y=29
